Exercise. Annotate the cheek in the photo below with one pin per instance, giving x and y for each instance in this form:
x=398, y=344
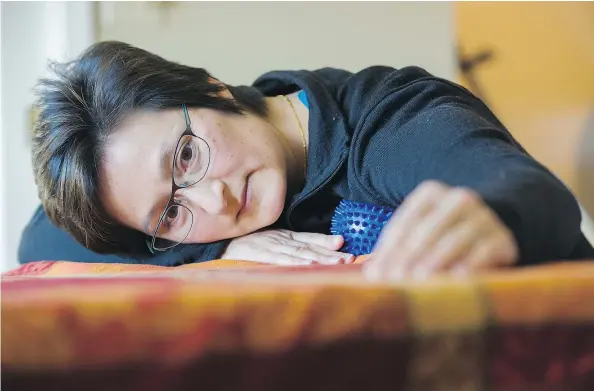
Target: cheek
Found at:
x=232, y=153
x=225, y=159
x=207, y=229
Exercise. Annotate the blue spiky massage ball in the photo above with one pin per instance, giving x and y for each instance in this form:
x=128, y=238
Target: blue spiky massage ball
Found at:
x=360, y=224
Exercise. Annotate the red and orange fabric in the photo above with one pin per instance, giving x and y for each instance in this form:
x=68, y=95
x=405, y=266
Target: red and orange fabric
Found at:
x=228, y=325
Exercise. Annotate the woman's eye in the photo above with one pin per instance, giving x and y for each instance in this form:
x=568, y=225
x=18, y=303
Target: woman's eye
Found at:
x=186, y=154
x=172, y=214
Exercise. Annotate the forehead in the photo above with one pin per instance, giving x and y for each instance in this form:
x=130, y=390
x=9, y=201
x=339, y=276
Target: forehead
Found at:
x=132, y=178
x=142, y=123
x=142, y=135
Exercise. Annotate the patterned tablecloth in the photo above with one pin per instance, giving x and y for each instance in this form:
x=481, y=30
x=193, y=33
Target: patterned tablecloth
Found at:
x=227, y=325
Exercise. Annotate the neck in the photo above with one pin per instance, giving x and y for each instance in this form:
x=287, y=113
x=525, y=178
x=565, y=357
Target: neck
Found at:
x=290, y=125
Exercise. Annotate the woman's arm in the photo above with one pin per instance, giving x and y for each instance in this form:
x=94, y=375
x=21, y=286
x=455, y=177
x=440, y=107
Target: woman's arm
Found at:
x=450, y=137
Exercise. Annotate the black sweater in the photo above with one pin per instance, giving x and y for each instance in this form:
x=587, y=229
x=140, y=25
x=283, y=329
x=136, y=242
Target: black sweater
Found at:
x=377, y=134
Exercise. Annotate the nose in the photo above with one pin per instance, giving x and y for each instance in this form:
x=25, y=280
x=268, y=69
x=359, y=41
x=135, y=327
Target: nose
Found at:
x=208, y=195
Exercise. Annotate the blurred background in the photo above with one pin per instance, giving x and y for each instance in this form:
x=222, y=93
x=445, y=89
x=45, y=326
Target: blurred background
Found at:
x=533, y=63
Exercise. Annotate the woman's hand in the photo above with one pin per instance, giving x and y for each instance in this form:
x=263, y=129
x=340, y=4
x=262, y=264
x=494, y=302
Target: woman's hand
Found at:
x=441, y=229
x=283, y=247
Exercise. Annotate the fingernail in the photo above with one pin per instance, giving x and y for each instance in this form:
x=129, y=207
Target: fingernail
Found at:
x=350, y=259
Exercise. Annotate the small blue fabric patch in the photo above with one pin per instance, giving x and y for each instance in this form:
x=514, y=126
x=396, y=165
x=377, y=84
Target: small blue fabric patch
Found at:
x=303, y=98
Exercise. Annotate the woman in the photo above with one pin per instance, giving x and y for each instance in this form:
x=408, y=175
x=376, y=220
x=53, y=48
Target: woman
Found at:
x=161, y=163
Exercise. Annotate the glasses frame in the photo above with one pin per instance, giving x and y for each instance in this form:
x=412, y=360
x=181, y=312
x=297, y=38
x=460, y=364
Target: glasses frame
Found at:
x=175, y=187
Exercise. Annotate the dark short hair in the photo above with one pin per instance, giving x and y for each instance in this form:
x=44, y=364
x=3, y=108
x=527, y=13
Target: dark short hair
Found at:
x=83, y=103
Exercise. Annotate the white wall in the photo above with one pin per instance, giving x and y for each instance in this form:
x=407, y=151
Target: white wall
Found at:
x=238, y=41
x=32, y=33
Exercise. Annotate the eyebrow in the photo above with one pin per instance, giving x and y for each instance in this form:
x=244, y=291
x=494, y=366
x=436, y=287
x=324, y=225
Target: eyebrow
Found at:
x=165, y=166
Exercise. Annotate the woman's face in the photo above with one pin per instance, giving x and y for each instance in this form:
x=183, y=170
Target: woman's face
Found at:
x=242, y=191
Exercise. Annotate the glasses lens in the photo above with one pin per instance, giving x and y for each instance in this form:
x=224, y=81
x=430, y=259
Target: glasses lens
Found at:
x=192, y=159
x=174, y=228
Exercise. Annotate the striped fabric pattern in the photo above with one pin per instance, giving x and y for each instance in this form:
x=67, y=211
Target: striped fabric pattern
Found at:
x=231, y=325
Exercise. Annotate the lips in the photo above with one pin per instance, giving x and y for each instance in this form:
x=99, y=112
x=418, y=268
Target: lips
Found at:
x=244, y=195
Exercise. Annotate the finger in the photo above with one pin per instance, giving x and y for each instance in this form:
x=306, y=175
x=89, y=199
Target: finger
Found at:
x=456, y=207
x=486, y=255
x=316, y=253
x=330, y=255
x=282, y=259
x=451, y=210
x=329, y=242
x=417, y=205
x=448, y=251
x=392, y=241
x=304, y=251
x=503, y=252
x=271, y=257
x=478, y=258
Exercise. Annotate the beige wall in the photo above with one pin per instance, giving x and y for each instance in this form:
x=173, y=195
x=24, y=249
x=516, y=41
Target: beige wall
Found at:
x=541, y=81
x=238, y=41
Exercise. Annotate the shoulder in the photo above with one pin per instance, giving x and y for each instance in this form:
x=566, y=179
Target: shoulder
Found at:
x=411, y=122
x=411, y=85
x=412, y=105
x=382, y=96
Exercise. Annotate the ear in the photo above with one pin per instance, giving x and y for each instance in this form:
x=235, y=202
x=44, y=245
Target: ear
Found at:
x=225, y=93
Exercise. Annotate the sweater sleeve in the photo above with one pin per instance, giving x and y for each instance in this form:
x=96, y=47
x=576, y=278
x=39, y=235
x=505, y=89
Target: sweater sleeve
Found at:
x=43, y=241
x=452, y=137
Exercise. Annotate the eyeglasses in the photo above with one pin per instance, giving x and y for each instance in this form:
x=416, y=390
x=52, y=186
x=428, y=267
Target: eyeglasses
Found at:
x=189, y=166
